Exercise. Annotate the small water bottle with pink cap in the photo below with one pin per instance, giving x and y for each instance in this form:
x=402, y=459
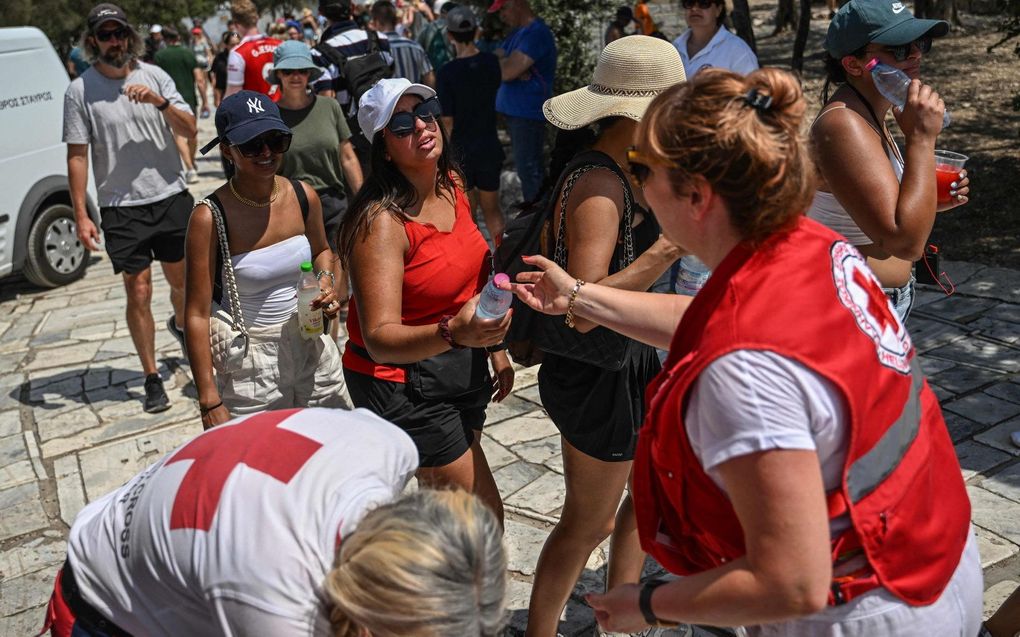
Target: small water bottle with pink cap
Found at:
x=494, y=302
x=894, y=85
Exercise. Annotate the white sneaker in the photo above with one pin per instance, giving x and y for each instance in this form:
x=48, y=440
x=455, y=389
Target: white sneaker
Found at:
x=191, y=176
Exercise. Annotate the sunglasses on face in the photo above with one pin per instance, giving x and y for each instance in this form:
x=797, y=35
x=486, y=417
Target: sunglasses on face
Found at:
x=639, y=166
x=402, y=124
x=289, y=72
x=902, y=52
x=701, y=4
x=278, y=142
x=106, y=36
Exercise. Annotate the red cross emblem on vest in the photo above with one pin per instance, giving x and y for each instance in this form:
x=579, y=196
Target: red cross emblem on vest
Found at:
x=258, y=443
x=878, y=302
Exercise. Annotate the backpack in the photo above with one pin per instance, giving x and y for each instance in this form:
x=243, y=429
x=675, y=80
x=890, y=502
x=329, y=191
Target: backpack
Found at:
x=360, y=72
x=433, y=40
x=529, y=233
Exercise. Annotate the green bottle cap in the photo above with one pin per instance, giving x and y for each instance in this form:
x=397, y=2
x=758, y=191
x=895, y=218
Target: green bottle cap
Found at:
x=306, y=266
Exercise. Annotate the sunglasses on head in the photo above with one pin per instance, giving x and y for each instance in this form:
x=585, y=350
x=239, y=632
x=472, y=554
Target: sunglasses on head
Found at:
x=701, y=4
x=105, y=36
x=902, y=51
x=402, y=124
x=288, y=72
x=277, y=141
x=639, y=165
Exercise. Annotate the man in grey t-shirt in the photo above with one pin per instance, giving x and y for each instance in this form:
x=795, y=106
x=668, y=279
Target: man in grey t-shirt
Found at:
x=128, y=112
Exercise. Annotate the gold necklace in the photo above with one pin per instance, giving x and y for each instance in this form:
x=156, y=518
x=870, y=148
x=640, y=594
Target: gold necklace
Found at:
x=256, y=204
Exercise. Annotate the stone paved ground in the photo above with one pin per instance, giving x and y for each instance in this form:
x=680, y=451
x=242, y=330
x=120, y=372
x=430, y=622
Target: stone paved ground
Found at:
x=72, y=427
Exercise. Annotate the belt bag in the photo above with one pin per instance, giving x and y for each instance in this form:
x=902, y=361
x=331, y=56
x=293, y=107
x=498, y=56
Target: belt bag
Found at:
x=228, y=336
x=453, y=374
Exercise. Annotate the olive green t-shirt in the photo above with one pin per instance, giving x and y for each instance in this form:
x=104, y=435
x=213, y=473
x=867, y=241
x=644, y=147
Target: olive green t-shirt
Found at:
x=180, y=64
x=314, y=155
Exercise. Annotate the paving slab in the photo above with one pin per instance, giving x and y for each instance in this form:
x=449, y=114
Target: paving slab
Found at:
x=995, y=513
x=1005, y=482
x=982, y=408
x=998, y=436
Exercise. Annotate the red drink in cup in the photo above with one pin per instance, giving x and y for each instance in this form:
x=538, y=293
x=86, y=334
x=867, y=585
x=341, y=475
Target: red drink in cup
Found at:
x=947, y=170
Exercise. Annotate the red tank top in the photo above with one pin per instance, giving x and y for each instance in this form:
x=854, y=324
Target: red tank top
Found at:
x=442, y=271
x=258, y=59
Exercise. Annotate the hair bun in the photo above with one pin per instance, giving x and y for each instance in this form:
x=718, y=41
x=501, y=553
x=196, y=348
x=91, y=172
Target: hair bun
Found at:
x=787, y=105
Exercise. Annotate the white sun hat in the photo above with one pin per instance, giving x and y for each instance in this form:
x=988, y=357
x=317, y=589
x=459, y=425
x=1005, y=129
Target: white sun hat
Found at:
x=630, y=72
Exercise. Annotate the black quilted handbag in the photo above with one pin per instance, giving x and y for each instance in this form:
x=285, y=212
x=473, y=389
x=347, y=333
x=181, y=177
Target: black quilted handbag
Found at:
x=601, y=346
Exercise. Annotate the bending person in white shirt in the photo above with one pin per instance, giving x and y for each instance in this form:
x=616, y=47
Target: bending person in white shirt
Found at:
x=283, y=523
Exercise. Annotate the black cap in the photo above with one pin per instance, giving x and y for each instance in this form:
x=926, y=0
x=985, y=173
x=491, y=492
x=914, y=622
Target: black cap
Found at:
x=461, y=20
x=104, y=12
x=243, y=116
x=335, y=9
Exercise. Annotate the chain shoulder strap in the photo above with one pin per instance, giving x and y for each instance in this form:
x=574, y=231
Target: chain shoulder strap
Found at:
x=560, y=254
x=236, y=317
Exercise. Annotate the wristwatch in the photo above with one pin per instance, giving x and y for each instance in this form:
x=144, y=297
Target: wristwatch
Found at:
x=645, y=604
x=165, y=105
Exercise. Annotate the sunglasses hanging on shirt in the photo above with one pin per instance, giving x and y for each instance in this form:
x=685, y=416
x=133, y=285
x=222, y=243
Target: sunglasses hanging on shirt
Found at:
x=402, y=124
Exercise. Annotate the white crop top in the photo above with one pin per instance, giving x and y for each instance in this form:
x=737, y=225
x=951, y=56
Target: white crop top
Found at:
x=267, y=278
x=828, y=211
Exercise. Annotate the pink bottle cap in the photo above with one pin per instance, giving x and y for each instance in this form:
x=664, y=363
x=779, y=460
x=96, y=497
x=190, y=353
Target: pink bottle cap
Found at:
x=872, y=64
x=500, y=279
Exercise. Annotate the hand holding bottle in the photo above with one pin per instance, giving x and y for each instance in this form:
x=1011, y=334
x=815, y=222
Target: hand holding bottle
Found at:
x=471, y=330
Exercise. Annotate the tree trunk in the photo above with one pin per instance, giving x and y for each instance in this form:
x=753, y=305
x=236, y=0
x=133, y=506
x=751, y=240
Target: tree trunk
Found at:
x=741, y=17
x=803, y=27
x=785, y=17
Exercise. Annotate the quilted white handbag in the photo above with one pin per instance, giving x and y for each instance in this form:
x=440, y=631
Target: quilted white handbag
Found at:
x=228, y=336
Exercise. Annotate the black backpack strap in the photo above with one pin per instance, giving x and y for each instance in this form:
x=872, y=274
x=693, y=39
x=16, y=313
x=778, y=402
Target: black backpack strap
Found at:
x=332, y=54
x=217, y=290
x=373, y=42
x=302, y=197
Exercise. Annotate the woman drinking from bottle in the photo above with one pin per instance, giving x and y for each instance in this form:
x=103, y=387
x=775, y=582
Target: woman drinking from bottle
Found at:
x=880, y=197
x=417, y=352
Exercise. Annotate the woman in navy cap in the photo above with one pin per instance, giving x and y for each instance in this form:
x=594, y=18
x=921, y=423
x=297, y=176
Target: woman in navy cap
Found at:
x=880, y=197
x=272, y=226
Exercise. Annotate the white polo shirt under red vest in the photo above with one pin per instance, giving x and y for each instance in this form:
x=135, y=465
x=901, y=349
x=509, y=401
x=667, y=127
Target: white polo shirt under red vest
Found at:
x=808, y=295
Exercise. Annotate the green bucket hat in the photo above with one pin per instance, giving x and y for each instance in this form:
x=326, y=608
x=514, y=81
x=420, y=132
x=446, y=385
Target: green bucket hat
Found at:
x=889, y=22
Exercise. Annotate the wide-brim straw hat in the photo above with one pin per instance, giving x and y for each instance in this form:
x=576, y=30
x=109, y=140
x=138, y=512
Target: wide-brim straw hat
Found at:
x=630, y=72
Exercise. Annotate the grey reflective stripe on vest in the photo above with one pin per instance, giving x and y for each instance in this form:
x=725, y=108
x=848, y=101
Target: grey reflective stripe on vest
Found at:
x=868, y=471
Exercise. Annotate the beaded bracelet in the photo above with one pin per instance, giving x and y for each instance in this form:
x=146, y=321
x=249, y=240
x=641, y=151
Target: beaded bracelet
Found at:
x=569, y=318
x=332, y=277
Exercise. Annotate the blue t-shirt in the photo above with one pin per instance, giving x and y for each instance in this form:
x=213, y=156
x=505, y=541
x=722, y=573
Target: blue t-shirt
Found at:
x=524, y=97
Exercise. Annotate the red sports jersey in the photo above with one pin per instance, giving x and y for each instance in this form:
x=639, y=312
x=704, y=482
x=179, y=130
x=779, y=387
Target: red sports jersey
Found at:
x=250, y=63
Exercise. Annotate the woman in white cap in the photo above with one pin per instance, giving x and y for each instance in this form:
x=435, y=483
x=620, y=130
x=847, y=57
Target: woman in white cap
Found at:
x=604, y=232
x=417, y=352
x=271, y=227
x=321, y=153
x=888, y=209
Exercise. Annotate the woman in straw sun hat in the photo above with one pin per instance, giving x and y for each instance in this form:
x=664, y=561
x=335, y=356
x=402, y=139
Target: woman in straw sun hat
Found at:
x=604, y=233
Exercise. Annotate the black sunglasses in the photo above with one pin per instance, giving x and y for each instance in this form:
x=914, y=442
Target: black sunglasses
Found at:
x=277, y=141
x=402, y=124
x=902, y=51
x=701, y=4
x=293, y=71
x=639, y=165
x=106, y=36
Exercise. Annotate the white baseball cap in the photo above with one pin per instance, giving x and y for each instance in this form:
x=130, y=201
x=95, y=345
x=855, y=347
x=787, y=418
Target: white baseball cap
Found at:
x=376, y=106
x=156, y=29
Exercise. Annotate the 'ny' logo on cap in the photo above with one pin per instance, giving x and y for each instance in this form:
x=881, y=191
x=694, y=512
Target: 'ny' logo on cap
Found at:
x=255, y=106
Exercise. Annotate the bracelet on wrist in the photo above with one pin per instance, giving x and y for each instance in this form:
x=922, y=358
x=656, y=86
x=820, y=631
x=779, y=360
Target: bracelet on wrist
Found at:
x=498, y=347
x=165, y=105
x=446, y=333
x=569, y=318
x=332, y=277
x=205, y=410
x=645, y=604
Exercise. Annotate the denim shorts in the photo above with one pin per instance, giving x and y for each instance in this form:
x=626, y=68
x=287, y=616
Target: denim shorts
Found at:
x=902, y=298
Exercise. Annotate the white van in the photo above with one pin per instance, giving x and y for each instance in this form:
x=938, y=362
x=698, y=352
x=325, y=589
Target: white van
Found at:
x=37, y=231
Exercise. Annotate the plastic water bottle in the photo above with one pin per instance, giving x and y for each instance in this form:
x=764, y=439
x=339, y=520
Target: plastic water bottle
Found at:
x=692, y=275
x=893, y=84
x=309, y=320
x=494, y=302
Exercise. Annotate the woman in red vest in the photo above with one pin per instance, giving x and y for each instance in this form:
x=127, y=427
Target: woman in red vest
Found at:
x=794, y=464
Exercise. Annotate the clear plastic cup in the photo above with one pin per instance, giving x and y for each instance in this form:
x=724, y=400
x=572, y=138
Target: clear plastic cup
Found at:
x=947, y=172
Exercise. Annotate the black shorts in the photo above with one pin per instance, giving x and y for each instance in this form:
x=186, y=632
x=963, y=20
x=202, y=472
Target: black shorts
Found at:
x=334, y=207
x=482, y=171
x=135, y=235
x=442, y=431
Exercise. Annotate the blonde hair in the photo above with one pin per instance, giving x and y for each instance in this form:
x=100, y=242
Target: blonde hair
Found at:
x=430, y=564
x=755, y=159
x=244, y=13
